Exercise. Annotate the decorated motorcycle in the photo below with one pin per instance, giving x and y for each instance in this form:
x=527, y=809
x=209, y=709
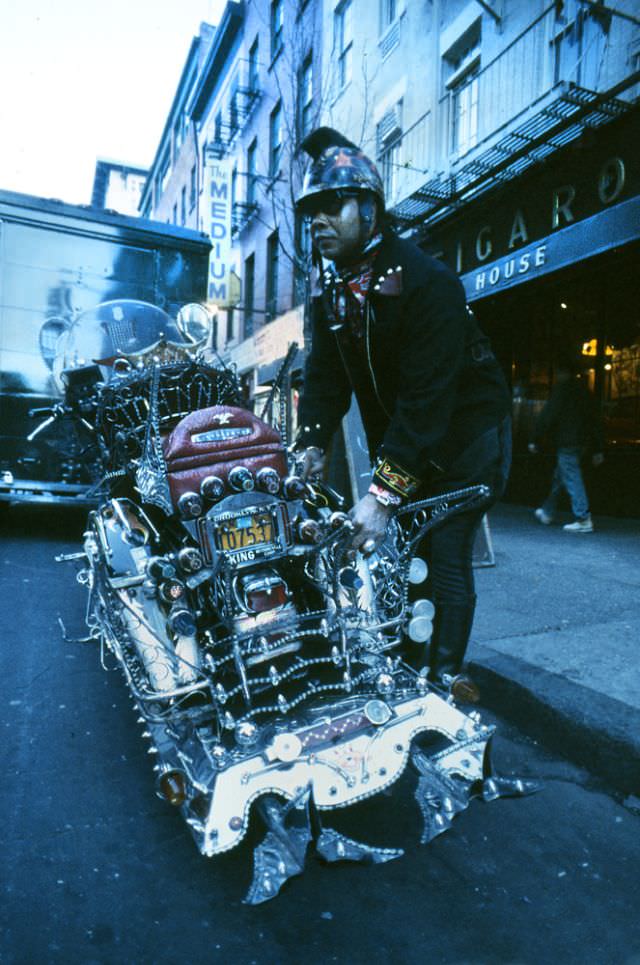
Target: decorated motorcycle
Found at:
x=265, y=657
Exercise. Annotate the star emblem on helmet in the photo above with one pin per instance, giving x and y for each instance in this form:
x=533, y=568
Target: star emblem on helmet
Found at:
x=343, y=160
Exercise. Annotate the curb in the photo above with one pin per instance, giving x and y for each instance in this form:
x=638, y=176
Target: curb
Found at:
x=592, y=730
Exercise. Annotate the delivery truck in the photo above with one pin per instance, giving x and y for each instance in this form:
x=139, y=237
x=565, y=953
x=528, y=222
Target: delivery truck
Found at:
x=56, y=261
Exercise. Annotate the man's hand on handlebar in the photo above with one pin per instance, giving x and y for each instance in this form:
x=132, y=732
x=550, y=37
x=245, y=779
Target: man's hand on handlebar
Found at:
x=369, y=518
x=313, y=460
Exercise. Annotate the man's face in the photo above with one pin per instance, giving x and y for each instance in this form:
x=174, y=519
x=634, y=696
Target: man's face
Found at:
x=337, y=231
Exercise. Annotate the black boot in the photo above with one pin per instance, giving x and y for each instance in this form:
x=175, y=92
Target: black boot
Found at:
x=451, y=629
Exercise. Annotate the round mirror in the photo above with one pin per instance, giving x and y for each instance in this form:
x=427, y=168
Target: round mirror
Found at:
x=194, y=323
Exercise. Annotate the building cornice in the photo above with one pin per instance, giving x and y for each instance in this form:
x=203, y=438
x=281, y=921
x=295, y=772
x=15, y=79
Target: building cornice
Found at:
x=180, y=96
x=230, y=25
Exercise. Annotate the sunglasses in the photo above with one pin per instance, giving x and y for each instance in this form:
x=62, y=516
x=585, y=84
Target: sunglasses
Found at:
x=330, y=204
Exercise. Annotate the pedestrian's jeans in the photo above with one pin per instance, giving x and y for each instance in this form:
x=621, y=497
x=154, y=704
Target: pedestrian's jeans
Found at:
x=568, y=475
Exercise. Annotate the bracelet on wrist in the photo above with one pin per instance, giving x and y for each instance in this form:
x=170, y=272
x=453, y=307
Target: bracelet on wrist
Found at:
x=384, y=497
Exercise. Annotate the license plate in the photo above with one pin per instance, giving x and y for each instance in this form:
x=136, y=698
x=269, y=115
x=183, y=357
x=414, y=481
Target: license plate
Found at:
x=243, y=532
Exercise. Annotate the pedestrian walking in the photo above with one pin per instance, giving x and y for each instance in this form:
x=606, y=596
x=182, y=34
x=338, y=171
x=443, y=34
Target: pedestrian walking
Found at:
x=570, y=422
x=390, y=324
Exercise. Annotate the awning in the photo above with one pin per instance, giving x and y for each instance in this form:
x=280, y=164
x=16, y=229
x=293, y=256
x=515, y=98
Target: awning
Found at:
x=612, y=228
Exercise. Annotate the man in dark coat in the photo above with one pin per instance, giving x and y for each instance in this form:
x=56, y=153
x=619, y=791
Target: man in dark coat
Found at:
x=391, y=324
x=570, y=422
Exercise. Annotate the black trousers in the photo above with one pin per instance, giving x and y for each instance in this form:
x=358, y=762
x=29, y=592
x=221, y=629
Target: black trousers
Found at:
x=448, y=547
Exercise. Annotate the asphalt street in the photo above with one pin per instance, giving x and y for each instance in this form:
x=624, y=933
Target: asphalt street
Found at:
x=96, y=869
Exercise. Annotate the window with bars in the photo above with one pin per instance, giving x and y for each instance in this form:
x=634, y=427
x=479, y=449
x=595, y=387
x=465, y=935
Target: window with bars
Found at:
x=165, y=174
x=193, y=188
x=275, y=140
x=305, y=97
x=234, y=113
x=389, y=147
x=178, y=135
x=217, y=127
x=343, y=41
x=234, y=187
x=388, y=13
x=273, y=260
x=277, y=27
x=461, y=65
x=249, y=294
x=464, y=108
x=252, y=153
x=253, y=78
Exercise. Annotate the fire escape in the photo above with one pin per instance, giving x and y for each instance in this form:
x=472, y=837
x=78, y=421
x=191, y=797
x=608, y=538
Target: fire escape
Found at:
x=544, y=120
x=229, y=124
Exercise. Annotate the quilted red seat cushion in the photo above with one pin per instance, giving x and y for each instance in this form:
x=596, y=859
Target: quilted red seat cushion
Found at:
x=210, y=442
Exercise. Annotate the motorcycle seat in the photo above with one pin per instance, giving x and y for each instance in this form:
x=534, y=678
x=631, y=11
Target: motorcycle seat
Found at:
x=213, y=441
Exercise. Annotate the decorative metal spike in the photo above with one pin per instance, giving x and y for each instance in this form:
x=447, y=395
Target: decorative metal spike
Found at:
x=274, y=676
x=333, y=846
x=210, y=662
x=282, y=704
x=140, y=720
x=336, y=656
x=146, y=733
x=494, y=787
x=348, y=682
x=282, y=852
x=221, y=694
x=229, y=721
x=152, y=750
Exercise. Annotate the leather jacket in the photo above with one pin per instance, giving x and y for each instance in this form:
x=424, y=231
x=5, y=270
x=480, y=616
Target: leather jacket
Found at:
x=425, y=377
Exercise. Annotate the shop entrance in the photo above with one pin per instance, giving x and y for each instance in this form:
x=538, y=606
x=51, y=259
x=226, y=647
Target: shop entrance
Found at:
x=589, y=313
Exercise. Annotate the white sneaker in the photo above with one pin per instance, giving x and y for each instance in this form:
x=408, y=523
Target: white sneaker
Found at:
x=543, y=517
x=580, y=526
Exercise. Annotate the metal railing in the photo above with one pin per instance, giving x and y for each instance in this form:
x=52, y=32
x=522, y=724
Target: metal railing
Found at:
x=537, y=94
x=403, y=164
x=241, y=214
x=236, y=100
x=546, y=54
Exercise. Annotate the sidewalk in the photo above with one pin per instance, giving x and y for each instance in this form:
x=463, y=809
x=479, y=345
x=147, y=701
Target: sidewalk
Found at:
x=556, y=640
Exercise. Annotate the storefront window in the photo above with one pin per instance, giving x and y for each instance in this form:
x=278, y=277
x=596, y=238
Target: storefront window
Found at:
x=579, y=316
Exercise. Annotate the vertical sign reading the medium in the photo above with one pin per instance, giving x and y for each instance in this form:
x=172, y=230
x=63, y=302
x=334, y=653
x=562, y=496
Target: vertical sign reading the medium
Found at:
x=220, y=231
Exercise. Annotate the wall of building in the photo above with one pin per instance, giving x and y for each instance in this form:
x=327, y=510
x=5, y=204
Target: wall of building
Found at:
x=177, y=152
x=263, y=200
x=275, y=189
x=455, y=99
x=458, y=79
